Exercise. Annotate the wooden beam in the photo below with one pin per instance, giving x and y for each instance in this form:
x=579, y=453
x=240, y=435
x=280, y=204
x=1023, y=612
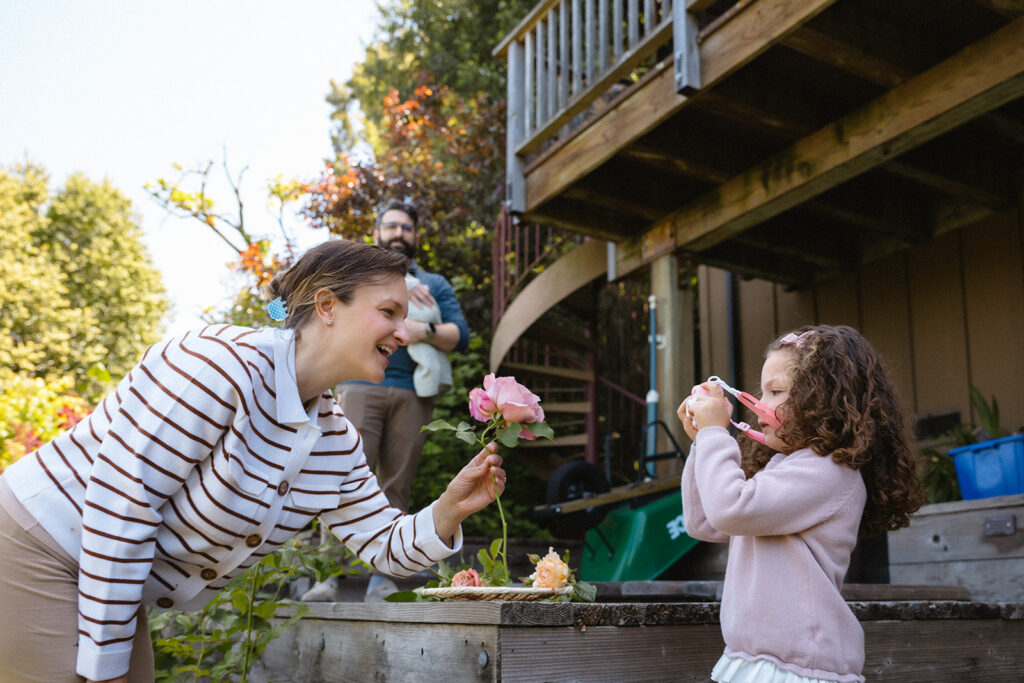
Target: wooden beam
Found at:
x=734, y=45
x=1006, y=8
x=945, y=183
x=1010, y=128
x=664, y=161
x=981, y=78
x=613, y=202
x=845, y=57
x=750, y=115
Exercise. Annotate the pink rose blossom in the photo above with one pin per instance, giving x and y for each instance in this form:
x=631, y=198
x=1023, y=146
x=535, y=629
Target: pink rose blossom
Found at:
x=481, y=407
x=467, y=577
x=515, y=402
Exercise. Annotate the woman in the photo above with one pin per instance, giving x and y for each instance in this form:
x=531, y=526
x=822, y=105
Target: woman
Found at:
x=215, y=449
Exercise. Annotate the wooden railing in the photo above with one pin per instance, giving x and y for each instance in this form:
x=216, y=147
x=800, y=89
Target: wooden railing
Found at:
x=566, y=54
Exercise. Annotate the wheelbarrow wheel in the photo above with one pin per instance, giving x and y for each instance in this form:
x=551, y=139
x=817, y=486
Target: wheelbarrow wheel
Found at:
x=572, y=481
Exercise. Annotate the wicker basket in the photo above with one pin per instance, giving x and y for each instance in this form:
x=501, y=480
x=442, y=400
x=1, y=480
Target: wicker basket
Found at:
x=495, y=593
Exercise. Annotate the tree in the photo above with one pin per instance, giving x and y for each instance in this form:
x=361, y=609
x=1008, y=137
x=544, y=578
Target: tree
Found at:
x=32, y=291
x=77, y=289
x=443, y=152
x=187, y=196
x=97, y=244
x=452, y=40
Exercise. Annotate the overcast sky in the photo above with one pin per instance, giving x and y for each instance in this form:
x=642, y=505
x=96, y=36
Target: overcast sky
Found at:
x=124, y=89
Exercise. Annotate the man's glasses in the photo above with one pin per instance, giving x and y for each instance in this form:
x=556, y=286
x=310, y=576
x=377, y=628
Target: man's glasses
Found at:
x=404, y=227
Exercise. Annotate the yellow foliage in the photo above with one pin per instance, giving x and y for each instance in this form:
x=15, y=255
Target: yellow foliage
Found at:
x=34, y=411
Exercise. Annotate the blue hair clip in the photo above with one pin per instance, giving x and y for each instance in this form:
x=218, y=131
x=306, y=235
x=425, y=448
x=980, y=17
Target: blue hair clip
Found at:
x=277, y=310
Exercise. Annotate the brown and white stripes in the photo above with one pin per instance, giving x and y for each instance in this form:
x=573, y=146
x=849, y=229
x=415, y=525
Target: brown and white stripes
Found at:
x=200, y=463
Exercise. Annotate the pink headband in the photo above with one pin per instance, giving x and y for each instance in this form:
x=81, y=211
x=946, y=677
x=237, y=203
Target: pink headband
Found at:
x=795, y=339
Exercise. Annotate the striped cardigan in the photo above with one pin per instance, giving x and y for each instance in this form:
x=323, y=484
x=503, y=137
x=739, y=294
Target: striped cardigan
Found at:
x=201, y=462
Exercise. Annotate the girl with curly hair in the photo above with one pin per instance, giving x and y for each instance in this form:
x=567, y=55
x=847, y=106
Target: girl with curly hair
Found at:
x=836, y=463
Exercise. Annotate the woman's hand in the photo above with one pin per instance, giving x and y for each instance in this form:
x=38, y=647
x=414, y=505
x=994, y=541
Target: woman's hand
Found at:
x=471, y=490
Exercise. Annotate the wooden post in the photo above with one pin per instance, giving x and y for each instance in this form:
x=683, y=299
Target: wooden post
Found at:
x=676, y=372
x=577, y=47
x=553, y=65
x=515, y=181
x=542, y=73
x=686, y=52
x=563, y=54
x=633, y=22
x=617, y=47
x=529, y=122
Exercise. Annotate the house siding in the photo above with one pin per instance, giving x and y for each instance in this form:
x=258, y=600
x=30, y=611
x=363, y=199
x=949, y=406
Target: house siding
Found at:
x=946, y=314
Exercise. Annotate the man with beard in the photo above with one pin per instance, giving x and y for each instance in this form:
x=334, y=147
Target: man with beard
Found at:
x=389, y=415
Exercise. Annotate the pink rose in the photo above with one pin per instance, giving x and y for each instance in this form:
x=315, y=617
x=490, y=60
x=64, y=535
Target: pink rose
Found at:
x=515, y=402
x=467, y=577
x=481, y=407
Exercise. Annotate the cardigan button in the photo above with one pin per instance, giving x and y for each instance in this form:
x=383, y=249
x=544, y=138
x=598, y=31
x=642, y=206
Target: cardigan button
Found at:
x=165, y=603
x=282, y=488
x=208, y=574
x=253, y=541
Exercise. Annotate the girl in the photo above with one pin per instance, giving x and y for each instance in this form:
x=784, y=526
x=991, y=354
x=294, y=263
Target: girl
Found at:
x=836, y=464
x=215, y=449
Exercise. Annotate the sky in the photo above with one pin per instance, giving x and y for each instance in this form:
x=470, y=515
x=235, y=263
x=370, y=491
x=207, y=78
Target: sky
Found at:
x=124, y=89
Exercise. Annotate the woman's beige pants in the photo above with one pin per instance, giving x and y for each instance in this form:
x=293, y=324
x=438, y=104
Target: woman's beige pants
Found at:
x=39, y=607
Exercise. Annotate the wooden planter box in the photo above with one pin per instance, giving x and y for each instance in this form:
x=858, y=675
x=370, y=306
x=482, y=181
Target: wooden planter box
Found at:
x=507, y=641
x=978, y=544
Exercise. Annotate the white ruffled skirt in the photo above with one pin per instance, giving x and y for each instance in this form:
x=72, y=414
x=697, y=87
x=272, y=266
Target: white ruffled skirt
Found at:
x=737, y=670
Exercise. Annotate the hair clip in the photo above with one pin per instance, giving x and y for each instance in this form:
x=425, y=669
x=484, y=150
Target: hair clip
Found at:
x=796, y=340
x=277, y=310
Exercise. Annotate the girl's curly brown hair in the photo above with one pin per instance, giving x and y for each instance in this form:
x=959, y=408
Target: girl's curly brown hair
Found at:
x=842, y=404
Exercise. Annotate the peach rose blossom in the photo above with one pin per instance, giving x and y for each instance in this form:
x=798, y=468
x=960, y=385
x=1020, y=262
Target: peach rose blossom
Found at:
x=551, y=571
x=467, y=577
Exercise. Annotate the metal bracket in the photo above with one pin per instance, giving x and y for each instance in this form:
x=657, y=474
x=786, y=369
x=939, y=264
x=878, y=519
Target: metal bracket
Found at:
x=1000, y=525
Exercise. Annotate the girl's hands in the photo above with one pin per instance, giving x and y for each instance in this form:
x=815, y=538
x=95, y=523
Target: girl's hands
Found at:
x=471, y=490
x=706, y=406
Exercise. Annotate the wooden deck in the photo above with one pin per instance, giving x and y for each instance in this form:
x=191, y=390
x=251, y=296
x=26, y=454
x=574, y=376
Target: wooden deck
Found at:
x=907, y=640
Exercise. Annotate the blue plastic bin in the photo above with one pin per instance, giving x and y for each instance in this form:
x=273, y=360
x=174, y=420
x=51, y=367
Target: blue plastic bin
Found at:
x=990, y=468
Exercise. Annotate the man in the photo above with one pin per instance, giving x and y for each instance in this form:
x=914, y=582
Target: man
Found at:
x=389, y=415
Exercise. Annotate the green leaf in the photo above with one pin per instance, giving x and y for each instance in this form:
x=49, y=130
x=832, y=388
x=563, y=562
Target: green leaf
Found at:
x=265, y=609
x=509, y=436
x=240, y=601
x=584, y=592
x=437, y=425
x=468, y=437
x=541, y=430
x=402, y=596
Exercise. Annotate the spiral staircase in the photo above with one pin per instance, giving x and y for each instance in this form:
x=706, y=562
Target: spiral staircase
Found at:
x=550, y=331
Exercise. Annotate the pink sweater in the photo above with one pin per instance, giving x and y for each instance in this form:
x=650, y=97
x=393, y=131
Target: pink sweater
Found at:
x=791, y=529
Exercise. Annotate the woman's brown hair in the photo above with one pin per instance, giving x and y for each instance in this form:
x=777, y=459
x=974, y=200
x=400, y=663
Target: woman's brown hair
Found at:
x=842, y=404
x=338, y=265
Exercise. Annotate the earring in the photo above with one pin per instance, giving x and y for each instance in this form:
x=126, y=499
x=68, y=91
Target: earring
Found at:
x=330, y=321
